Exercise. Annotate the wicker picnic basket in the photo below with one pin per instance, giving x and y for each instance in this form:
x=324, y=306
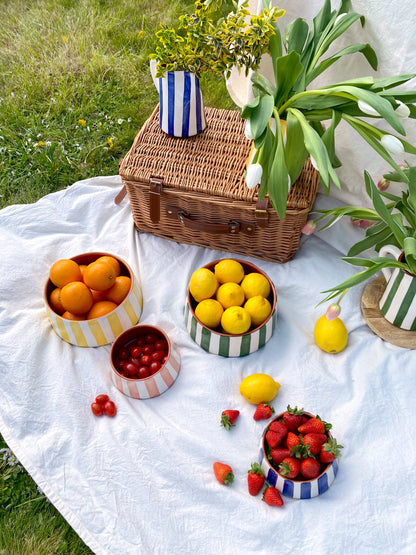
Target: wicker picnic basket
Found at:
x=193, y=191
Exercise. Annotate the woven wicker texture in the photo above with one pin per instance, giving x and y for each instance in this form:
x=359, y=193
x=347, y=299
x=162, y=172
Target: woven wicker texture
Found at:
x=203, y=180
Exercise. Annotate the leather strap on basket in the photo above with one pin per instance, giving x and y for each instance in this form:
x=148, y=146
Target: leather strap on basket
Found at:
x=155, y=189
x=261, y=213
x=120, y=195
x=232, y=227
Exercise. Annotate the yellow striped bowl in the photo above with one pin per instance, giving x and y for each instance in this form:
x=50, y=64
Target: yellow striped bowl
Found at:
x=103, y=330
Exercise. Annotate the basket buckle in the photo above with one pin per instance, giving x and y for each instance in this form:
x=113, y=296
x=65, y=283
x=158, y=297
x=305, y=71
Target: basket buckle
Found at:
x=233, y=226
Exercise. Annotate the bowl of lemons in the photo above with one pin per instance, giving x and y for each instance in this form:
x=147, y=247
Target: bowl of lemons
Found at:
x=230, y=307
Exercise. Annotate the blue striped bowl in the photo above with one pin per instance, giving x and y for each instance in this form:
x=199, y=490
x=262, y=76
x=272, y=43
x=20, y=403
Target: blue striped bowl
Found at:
x=297, y=489
x=224, y=344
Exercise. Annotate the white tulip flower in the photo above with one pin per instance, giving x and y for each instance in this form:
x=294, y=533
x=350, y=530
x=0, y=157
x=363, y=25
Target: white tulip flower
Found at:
x=313, y=162
x=247, y=131
x=367, y=109
x=402, y=111
x=253, y=175
x=392, y=144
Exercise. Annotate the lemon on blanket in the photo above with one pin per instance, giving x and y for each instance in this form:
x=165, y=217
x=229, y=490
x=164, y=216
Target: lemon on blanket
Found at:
x=235, y=320
x=259, y=388
x=330, y=335
x=209, y=312
x=259, y=309
x=203, y=284
x=230, y=294
x=229, y=270
x=255, y=284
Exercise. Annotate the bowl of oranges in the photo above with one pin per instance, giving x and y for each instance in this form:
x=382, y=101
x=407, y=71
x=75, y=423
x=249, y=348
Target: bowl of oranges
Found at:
x=92, y=298
x=230, y=307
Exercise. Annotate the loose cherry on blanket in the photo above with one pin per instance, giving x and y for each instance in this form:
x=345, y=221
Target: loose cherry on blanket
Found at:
x=103, y=405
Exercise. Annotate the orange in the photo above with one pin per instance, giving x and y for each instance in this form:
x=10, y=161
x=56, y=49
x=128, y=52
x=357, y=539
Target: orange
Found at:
x=69, y=316
x=112, y=261
x=98, y=295
x=76, y=297
x=55, y=301
x=82, y=267
x=101, y=309
x=64, y=271
x=99, y=275
x=119, y=291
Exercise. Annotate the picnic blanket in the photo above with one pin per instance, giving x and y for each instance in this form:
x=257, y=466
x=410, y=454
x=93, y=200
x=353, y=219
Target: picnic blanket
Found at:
x=142, y=482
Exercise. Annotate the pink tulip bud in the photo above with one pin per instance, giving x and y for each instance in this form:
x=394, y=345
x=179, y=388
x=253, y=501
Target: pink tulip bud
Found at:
x=333, y=311
x=363, y=224
x=309, y=227
x=383, y=184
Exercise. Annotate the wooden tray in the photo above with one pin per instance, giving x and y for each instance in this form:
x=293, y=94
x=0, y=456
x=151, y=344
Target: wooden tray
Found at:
x=376, y=321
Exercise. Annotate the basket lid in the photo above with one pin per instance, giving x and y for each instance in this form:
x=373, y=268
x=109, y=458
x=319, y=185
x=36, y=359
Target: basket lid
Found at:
x=212, y=162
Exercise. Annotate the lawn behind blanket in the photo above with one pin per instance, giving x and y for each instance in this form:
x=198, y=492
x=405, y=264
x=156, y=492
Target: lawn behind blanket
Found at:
x=75, y=87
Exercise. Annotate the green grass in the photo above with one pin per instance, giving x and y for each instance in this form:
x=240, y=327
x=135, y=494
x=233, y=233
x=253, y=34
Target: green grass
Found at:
x=75, y=88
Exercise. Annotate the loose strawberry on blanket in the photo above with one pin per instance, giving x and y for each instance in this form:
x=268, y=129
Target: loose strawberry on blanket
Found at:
x=255, y=479
x=264, y=411
x=315, y=426
x=228, y=417
x=330, y=451
x=293, y=418
x=310, y=468
x=272, y=496
x=289, y=467
x=223, y=473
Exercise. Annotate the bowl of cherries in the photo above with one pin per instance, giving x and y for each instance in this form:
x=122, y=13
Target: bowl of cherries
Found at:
x=144, y=362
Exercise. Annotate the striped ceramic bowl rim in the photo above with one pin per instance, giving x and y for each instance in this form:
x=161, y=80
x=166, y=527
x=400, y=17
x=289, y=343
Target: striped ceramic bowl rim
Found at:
x=297, y=489
x=98, y=331
x=154, y=385
x=225, y=344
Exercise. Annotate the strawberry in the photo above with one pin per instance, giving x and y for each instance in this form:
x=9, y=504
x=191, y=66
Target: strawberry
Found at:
x=263, y=411
x=310, y=468
x=330, y=451
x=293, y=418
x=275, y=434
x=272, y=497
x=223, y=473
x=314, y=442
x=289, y=467
x=255, y=479
x=292, y=440
x=315, y=426
x=278, y=454
x=228, y=417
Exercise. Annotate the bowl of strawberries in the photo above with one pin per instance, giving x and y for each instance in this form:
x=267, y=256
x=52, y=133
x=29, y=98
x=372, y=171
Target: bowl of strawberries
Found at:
x=298, y=454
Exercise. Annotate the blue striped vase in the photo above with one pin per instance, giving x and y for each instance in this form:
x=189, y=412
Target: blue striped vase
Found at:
x=181, y=111
x=398, y=302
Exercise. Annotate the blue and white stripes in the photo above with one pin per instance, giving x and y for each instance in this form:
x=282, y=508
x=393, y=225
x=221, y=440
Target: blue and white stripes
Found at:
x=182, y=111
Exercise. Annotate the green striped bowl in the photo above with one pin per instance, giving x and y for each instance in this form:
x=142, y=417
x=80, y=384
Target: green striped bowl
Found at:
x=98, y=331
x=219, y=343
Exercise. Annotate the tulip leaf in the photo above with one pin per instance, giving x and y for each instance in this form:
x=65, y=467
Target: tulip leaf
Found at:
x=384, y=83
x=412, y=190
x=260, y=117
x=279, y=178
x=262, y=84
x=369, y=242
x=372, y=191
x=295, y=151
x=264, y=157
x=250, y=107
x=295, y=35
x=409, y=247
x=365, y=49
x=328, y=137
x=288, y=69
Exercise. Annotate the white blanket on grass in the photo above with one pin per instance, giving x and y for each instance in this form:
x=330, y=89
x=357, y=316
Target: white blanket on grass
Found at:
x=142, y=482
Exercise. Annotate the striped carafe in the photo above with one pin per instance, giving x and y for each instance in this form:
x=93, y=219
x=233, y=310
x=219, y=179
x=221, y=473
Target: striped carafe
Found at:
x=398, y=302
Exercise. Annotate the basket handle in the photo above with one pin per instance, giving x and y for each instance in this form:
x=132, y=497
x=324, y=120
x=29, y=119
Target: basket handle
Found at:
x=232, y=227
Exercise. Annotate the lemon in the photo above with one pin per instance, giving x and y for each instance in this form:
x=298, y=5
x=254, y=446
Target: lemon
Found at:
x=330, y=335
x=209, y=312
x=230, y=294
x=255, y=284
x=259, y=309
x=235, y=320
x=203, y=284
x=259, y=388
x=229, y=270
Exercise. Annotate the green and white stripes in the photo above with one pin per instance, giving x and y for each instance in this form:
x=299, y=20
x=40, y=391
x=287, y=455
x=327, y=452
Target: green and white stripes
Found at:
x=228, y=345
x=398, y=303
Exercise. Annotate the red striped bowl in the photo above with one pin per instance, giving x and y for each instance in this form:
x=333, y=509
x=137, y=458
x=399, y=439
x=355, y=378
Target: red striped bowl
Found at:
x=154, y=385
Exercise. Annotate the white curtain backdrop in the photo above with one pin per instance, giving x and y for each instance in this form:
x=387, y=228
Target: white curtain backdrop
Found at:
x=390, y=28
